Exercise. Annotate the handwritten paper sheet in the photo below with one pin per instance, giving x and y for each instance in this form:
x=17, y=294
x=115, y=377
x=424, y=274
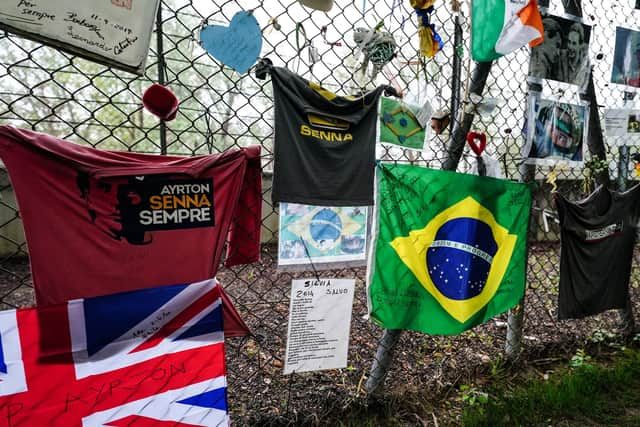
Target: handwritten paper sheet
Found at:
x=115, y=32
x=319, y=323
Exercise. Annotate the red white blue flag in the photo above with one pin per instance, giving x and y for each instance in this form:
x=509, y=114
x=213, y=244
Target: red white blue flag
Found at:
x=153, y=357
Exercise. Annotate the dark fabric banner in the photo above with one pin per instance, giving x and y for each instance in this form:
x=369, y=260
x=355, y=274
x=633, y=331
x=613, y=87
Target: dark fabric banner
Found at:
x=597, y=239
x=324, y=151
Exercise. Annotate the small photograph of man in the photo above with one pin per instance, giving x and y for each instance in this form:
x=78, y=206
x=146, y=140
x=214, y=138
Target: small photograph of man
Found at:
x=633, y=124
x=558, y=132
x=626, y=58
x=564, y=54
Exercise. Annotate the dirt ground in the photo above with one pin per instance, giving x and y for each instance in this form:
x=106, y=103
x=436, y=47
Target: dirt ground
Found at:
x=259, y=393
x=433, y=364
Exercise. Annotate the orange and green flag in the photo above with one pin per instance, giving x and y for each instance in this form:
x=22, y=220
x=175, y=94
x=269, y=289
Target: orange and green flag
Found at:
x=502, y=26
x=449, y=249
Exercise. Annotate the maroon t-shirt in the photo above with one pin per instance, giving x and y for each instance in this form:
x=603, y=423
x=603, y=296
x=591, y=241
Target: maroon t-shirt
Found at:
x=99, y=222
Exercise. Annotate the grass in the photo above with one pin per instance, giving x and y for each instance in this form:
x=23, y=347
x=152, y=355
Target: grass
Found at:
x=598, y=386
x=603, y=390
x=586, y=395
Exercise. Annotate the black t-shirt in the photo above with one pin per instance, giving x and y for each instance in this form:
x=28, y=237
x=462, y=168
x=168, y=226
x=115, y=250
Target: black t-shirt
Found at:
x=597, y=240
x=324, y=148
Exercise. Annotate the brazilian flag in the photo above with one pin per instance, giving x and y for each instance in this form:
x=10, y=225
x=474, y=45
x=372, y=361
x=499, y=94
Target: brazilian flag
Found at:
x=449, y=249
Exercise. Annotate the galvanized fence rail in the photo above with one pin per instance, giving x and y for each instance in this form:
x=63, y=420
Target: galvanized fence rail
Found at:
x=69, y=97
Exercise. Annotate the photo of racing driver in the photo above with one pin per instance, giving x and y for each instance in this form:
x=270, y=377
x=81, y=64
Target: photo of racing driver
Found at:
x=559, y=131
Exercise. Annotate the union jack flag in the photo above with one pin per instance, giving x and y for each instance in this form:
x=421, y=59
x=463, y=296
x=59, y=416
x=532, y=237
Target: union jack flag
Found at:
x=153, y=357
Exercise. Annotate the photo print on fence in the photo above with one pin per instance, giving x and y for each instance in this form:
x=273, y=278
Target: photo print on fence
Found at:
x=623, y=125
x=557, y=133
x=564, y=54
x=322, y=236
x=626, y=58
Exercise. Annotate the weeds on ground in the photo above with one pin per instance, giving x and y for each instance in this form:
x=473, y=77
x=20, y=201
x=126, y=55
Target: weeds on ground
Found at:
x=372, y=412
x=584, y=393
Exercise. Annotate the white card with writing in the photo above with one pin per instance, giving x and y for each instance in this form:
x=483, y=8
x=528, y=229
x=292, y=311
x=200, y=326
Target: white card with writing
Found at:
x=319, y=324
x=622, y=122
x=424, y=115
x=112, y=32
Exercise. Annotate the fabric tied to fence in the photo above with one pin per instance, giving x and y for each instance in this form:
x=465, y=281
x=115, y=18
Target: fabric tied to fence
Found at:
x=149, y=358
x=324, y=148
x=449, y=249
x=93, y=217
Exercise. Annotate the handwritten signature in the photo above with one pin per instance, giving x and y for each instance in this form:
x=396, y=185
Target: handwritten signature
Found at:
x=121, y=46
x=73, y=18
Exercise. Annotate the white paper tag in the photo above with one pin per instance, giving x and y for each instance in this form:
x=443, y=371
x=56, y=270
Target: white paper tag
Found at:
x=424, y=115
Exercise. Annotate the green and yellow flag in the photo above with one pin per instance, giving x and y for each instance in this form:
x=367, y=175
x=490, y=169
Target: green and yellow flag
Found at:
x=449, y=249
x=399, y=125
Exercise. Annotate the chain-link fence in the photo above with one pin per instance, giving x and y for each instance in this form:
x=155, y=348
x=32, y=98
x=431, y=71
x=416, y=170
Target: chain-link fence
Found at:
x=66, y=96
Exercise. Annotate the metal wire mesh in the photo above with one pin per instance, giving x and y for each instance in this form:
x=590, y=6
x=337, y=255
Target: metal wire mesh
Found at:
x=69, y=97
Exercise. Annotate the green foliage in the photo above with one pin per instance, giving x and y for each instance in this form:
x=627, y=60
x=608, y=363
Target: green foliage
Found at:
x=592, y=168
x=497, y=366
x=472, y=396
x=580, y=359
x=601, y=336
x=588, y=394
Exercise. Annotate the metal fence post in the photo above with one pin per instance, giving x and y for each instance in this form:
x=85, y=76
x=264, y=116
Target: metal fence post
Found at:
x=515, y=321
x=457, y=70
x=383, y=358
x=161, y=74
x=515, y=316
x=626, y=320
x=623, y=164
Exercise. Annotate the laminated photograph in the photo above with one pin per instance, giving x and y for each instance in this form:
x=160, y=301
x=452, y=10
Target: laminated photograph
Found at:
x=327, y=237
x=626, y=58
x=564, y=54
x=556, y=131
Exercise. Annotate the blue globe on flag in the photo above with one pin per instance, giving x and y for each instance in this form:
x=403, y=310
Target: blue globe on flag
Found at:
x=327, y=228
x=459, y=259
x=325, y=225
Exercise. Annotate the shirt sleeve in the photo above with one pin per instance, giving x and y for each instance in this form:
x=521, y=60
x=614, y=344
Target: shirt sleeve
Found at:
x=244, y=231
